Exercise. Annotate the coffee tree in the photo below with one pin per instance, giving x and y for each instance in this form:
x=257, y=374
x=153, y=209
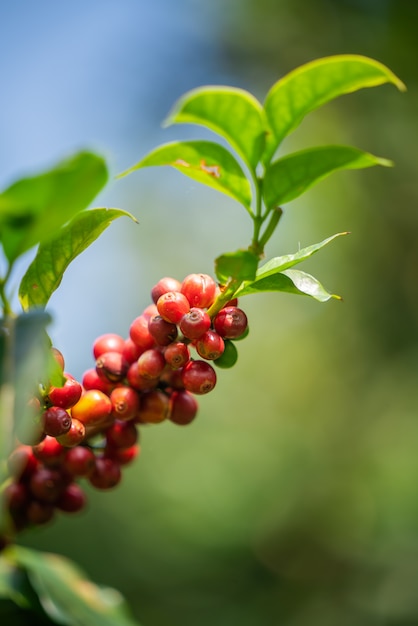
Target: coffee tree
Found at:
x=57, y=433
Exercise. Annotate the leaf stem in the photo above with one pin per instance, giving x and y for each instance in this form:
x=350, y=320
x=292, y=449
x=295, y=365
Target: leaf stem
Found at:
x=7, y=309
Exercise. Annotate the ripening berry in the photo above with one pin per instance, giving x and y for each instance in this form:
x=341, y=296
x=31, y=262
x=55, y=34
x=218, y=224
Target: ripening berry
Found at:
x=199, y=289
x=122, y=456
x=55, y=421
x=74, y=436
x=163, y=286
x=140, y=334
x=106, y=474
x=198, y=377
x=91, y=380
x=72, y=499
x=139, y=382
x=110, y=342
x=79, y=461
x=229, y=356
x=67, y=395
x=131, y=352
x=151, y=363
x=22, y=462
x=230, y=322
x=163, y=332
x=111, y=366
x=93, y=408
x=210, y=345
x=15, y=496
x=38, y=513
x=155, y=407
x=172, y=306
x=47, y=484
x=195, y=323
x=183, y=407
x=49, y=451
x=150, y=311
x=176, y=355
x=122, y=435
x=125, y=403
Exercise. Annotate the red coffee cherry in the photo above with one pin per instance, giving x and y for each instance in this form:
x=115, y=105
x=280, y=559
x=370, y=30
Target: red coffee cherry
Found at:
x=155, y=407
x=38, y=513
x=74, y=436
x=50, y=452
x=122, y=435
x=198, y=377
x=210, y=345
x=183, y=407
x=106, y=474
x=230, y=322
x=125, y=403
x=199, y=289
x=163, y=332
x=55, y=421
x=67, y=395
x=79, y=461
x=72, y=499
x=140, y=334
x=172, y=306
x=163, y=286
x=122, y=456
x=15, y=497
x=112, y=366
x=93, y=408
x=22, y=462
x=47, y=484
x=150, y=311
x=92, y=380
x=131, y=352
x=151, y=363
x=139, y=382
x=176, y=355
x=195, y=323
x=110, y=342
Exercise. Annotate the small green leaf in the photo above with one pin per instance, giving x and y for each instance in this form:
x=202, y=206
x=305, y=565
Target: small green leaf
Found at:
x=309, y=86
x=281, y=263
x=289, y=177
x=240, y=265
x=66, y=595
x=45, y=273
x=33, y=209
x=204, y=161
x=233, y=113
x=291, y=281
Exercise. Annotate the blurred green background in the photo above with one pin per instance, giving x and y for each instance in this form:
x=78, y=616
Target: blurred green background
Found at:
x=292, y=500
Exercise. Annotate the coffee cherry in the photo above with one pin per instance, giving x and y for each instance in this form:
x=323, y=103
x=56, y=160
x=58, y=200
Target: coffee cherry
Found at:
x=155, y=407
x=72, y=499
x=93, y=408
x=15, y=496
x=172, y=306
x=151, y=363
x=150, y=311
x=109, y=342
x=106, y=474
x=131, y=352
x=176, y=355
x=92, y=380
x=229, y=356
x=183, y=407
x=195, y=323
x=111, y=366
x=67, y=395
x=199, y=289
x=163, y=332
x=122, y=435
x=230, y=322
x=125, y=403
x=22, y=462
x=163, y=286
x=47, y=484
x=140, y=334
x=122, y=456
x=38, y=513
x=74, y=436
x=55, y=421
x=49, y=451
x=198, y=377
x=79, y=461
x=139, y=382
x=210, y=345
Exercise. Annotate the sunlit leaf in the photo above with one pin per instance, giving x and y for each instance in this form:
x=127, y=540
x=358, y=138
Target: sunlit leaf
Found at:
x=66, y=595
x=33, y=209
x=291, y=281
x=45, y=273
x=204, y=161
x=233, y=113
x=312, y=85
x=239, y=265
x=289, y=177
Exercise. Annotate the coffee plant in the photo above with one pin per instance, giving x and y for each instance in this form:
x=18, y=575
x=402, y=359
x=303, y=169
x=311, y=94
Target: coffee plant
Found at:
x=58, y=433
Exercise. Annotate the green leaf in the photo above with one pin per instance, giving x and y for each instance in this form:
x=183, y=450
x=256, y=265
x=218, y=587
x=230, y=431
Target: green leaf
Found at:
x=309, y=86
x=206, y=162
x=66, y=595
x=291, y=281
x=289, y=177
x=45, y=273
x=281, y=263
x=233, y=113
x=240, y=265
x=33, y=209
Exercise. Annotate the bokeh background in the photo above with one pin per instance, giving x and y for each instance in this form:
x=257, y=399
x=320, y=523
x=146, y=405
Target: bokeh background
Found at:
x=292, y=500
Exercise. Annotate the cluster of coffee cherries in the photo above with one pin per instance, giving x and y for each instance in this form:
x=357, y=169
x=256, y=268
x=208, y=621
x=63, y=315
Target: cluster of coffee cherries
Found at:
x=89, y=430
